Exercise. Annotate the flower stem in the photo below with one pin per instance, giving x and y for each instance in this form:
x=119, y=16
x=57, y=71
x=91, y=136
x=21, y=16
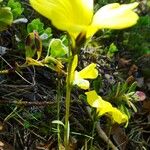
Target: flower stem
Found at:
x=93, y=130
x=68, y=98
x=58, y=111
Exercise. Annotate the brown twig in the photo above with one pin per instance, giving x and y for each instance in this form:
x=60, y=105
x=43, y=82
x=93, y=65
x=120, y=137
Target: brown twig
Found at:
x=27, y=103
x=101, y=133
x=103, y=136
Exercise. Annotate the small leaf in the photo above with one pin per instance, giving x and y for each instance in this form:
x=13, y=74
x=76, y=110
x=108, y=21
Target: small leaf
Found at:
x=97, y=83
x=132, y=87
x=46, y=34
x=57, y=48
x=31, y=61
x=112, y=50
x=58, y=122
x=65, y=40
x=133, y=106
x=35, y=25
x=33, y=45
x=117, y=89
x=6, y=18
x=16, y=8
x=123, y=88
x=48, y=31
x=125, y=110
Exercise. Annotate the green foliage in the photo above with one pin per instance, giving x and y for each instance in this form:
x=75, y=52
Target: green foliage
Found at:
x=64, y=40
x=38, y=26
x=6, y=18
x=58, y=122
x=46, y=34
x=57, y=48
x=39, y=41
x=97, y=83
x=33, y=45
x=16, y=8
x=124, y=109
x=112, y=50
x=137, y=40
x=122, y=95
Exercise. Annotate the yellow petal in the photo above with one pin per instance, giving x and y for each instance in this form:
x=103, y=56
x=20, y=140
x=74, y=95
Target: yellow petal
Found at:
x=87, y=73
x=93, y=99
x=91, y=30
x=72, y=16
x=83, y=84
x=105, y=108
x=115, y=16
x=118, y=116
x=90, y=72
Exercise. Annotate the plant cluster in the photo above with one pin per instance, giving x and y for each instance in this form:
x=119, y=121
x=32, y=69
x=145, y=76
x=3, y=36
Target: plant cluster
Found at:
x=77, y=70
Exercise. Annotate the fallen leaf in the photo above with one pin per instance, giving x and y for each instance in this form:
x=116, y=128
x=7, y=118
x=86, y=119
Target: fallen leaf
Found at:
x=119, y=137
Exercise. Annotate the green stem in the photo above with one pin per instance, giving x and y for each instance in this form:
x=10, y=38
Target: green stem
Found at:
x=68, y=98
x=93, y=130
x=58, y=112
x=109, y=133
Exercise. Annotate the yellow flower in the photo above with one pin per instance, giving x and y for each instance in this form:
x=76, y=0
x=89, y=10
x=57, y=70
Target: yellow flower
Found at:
x=105, y=108
x=76, y=16
x=79, y=78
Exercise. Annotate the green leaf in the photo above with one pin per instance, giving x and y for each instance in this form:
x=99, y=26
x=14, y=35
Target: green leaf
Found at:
x=133, y=106
x=33, y=45
x=48, y=31
x=97, y=83
x=112, y=50
x=38, y=26
x=132, y=87
x=6, y=18
x=58, y=122
x=35, y=25
x=117, y=89
x=46, y=34
x=15, y=7
x=65, y=40
x=125, y=110
x=57, y=48
x=123, y=89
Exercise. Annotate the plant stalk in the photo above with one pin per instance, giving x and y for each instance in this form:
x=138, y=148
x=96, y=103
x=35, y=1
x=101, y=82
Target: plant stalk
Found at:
x=68, y=99
x=58, y=111
x=93, y=130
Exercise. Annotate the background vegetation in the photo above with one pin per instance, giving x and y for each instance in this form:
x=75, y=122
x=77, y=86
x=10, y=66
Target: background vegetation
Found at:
x=28, y=94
